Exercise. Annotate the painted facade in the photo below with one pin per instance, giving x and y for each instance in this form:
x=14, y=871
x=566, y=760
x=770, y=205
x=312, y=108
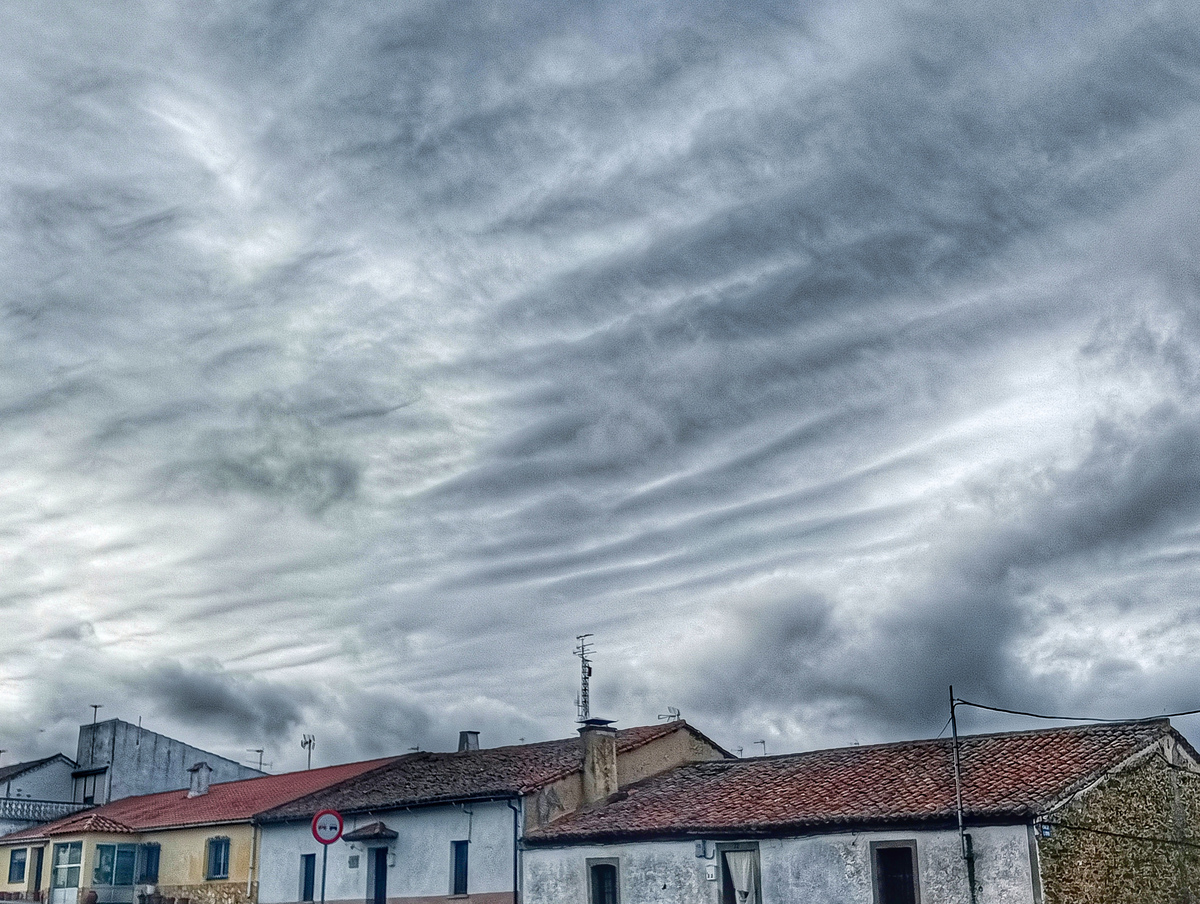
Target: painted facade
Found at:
x=419, y=860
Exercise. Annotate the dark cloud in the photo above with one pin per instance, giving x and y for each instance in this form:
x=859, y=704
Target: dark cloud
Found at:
x=813, y=355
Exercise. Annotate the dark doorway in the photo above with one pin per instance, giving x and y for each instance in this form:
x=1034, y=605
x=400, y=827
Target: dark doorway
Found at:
x=308, y=876
x=38, y=853
x=894, y=875
x=379, y=886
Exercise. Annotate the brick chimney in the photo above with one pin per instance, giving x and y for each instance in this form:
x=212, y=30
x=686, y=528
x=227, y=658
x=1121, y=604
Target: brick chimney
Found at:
x=468, y=740
x=599, y=759
x=199, y=783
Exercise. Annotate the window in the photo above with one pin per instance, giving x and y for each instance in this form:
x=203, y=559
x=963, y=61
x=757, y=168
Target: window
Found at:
x=603, y=882
x=86, y=785
x=149, y=869
x=740, y=882
x=65, y=867
x=218, y=858
x=894, y=868
x=458, y=854
x=308, y=876
x=114, y=864
x=16, y=865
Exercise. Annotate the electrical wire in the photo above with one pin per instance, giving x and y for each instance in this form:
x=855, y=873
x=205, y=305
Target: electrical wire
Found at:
x=1125, y=835
x=1018, y=712
x=944, y=727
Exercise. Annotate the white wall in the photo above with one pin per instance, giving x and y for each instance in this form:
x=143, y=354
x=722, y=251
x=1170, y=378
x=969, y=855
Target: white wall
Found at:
x=50, y=781
x=823, y=868
x=422, y=864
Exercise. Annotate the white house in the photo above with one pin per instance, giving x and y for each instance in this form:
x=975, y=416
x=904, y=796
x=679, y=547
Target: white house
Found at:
x=1096, y=813
x=434, y=826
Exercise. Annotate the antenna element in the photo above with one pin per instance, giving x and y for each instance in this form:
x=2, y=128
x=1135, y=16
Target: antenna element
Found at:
x=583, y=702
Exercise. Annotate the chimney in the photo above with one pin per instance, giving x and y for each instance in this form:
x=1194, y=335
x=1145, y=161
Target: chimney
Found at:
x=200, y=775
x=599, y=759
x=468, y=740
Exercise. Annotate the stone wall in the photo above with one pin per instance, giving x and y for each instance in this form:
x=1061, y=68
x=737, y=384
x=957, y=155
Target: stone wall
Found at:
x=1126, y=841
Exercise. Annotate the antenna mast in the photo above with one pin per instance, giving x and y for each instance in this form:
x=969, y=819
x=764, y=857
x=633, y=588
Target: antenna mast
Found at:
x=583, y=702
x=309, y=742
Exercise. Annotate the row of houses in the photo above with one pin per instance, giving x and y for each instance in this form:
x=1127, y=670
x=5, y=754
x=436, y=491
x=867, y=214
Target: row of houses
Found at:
x=1094, y=813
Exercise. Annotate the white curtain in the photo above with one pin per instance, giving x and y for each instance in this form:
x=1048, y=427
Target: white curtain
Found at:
x=741, y=866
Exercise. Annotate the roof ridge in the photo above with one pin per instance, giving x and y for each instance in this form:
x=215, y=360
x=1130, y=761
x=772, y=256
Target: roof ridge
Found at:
x=921, y=742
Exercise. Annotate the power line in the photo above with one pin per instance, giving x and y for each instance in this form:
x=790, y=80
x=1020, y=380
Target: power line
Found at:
x=1125, y=835
x=1018, y=712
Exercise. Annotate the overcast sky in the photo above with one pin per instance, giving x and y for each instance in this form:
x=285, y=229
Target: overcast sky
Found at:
x=814, y=356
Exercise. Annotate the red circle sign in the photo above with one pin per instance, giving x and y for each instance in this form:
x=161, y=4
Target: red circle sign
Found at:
x=327, y=826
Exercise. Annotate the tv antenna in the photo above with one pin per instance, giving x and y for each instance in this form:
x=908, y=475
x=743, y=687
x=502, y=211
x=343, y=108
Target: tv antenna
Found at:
x=672, y=715
x=259, y=751
x=764, y=743
x=583, y=702
x=309, y=742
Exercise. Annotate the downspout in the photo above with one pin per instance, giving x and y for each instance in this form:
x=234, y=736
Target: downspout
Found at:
x=516, y=811
x=253, y=861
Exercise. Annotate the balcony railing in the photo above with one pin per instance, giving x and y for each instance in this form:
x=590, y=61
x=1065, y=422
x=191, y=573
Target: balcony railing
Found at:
x=36, y=810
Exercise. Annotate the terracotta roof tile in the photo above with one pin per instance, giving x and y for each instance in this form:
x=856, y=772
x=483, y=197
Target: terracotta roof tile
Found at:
x=1010, y=775
x=225, y=802
x=420, y=778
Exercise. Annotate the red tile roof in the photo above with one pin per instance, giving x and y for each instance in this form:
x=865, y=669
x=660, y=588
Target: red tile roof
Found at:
x=1005, y=776
x=422, y=778
x=225, y=802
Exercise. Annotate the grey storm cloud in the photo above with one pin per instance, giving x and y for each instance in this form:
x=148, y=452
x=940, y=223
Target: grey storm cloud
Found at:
x=814, y=356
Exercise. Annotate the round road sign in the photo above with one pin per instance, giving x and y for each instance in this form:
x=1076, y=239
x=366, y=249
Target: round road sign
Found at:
x=327, y=826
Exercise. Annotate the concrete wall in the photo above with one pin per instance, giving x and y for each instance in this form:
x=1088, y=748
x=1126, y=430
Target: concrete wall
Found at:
x=825, y=868
x=144, y=762
x=1130, y=839
x=420, y=870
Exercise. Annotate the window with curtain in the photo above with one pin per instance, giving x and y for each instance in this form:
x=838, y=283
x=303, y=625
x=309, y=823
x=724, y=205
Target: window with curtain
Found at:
x=16, y=865
x=218, y=858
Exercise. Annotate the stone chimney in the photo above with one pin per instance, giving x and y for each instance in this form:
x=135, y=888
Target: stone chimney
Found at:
x=200, y=775
x=468, y=740
x=599, y=759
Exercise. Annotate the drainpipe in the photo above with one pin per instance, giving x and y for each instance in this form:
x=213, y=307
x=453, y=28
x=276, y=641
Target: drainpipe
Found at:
x=253, y=860
x=515, y=806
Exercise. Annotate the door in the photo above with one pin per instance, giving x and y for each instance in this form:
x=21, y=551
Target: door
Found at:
x=64, y=876
x=113, y=872
x=379, y=858
x=308, y=876
x=38, y=855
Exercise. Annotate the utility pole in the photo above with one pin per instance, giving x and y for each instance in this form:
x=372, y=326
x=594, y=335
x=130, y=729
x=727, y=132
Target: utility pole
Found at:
x=968, y=854
x=583, y=650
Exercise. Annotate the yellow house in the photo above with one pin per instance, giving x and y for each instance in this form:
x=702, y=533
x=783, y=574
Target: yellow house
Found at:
x=178, y=847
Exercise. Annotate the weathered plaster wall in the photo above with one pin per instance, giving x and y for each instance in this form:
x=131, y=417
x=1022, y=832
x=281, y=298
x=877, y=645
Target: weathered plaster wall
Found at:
x=826, y=868
x=1085, y=862
x=50, y=781
x=565, y=795
x=422, y=855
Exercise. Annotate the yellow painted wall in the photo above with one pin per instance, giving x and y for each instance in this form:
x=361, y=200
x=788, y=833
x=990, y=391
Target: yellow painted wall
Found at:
x=182, y=860
x=25, y=885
